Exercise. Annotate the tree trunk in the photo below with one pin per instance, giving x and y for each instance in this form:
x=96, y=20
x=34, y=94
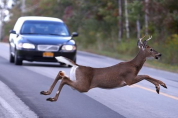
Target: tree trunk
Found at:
x=120, y=19
x=146, y=17
x=2, y=21
x=126, y=21
x=23, y=7
x=138, y=28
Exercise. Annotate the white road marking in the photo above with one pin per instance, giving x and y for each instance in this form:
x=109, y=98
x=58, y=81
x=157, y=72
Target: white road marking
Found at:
x=9, y=108
x=14, y=107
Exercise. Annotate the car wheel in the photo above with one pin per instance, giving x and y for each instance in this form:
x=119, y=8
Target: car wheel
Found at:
x=11, y=57
x=16, y=60
x=74, y=60
x=62, y=64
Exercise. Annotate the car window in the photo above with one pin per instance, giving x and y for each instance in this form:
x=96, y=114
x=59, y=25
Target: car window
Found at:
x=45, y=28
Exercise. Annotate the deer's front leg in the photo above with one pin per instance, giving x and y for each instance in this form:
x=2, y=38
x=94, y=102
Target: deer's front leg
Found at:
x=150, y=79
x=58, y=77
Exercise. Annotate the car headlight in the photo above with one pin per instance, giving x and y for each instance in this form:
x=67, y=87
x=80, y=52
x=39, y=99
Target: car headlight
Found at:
x=25, y=46
x=68, y=47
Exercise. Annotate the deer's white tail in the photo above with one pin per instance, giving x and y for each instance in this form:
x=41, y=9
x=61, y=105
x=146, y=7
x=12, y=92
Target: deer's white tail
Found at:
x=65, y=60
x=71, y=63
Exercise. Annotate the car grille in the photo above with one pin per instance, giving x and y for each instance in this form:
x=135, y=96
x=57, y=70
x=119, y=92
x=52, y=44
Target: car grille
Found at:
x=52, y=48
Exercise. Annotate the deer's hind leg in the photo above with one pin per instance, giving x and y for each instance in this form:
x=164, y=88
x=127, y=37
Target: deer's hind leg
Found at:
x=58, y=77
x=73, y=84
x=150, y=79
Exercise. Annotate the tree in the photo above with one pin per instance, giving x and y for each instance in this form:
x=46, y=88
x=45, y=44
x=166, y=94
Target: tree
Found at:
x=120, y=19
x=136, y=15
x=146, y=17
x=126, y=21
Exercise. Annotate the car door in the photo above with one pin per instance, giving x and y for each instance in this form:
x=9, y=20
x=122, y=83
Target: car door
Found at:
x=14, y=34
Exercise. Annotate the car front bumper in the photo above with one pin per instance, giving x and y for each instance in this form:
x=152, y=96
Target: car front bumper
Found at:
x=38, y=55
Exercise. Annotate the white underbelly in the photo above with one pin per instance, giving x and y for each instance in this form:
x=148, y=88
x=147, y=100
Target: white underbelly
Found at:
x=123, y=83
x=73, y=73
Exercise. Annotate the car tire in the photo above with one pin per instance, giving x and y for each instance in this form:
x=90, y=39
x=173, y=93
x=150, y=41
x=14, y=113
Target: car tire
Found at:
x=74, y=60
x=62, y=64
x=17, y=61
x=11, y=58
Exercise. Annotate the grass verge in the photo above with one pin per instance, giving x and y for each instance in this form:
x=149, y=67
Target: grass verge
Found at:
x=149, y=63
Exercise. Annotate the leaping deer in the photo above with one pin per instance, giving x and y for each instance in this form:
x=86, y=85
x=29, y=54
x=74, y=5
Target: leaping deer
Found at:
x=84, y=78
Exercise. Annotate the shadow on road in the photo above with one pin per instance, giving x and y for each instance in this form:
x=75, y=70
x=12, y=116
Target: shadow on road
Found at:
x=45, y=65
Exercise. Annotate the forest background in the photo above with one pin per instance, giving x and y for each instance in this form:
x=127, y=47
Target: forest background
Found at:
x=111, y=27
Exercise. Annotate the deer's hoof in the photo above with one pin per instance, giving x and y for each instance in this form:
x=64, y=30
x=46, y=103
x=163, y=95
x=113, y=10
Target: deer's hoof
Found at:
x=44, y=92
x=51, y=99
x=157, y=89
x=164, y=85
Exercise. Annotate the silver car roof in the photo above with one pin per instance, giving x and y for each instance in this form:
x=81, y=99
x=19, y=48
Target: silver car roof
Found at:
x=40, y=18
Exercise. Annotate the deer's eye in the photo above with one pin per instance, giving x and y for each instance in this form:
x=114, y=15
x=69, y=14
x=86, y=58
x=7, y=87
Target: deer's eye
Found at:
x=151, y=49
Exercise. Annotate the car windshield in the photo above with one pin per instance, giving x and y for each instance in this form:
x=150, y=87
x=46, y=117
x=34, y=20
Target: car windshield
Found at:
x=44, y=28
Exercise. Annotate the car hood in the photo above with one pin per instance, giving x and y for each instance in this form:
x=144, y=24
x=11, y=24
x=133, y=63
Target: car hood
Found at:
x=46, y=39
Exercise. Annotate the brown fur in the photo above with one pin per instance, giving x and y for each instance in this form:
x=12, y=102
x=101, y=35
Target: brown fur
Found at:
x=119, y=75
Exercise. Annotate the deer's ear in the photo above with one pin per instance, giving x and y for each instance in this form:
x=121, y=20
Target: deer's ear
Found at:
x=139, y=44
x=144, y=44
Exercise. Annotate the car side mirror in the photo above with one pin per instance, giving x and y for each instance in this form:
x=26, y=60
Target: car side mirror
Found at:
x=74, y=34
x=12, y=31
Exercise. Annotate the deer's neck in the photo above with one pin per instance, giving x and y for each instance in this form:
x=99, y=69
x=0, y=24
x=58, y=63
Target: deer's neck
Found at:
x=139, y=60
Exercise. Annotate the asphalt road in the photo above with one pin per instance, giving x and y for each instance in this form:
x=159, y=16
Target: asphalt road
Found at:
x=20, y=88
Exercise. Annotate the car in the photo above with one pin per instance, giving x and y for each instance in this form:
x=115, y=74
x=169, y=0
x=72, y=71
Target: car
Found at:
x=39, y=38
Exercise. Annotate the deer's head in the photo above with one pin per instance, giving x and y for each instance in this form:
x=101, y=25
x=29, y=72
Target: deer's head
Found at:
x=148, y=51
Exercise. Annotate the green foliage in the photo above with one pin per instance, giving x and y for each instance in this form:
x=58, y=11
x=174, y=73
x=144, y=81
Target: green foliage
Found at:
x=96, y=22
x=135, y=11
x=170, y=49
x=10, y=25
x=163, y=15
x=128, y=48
